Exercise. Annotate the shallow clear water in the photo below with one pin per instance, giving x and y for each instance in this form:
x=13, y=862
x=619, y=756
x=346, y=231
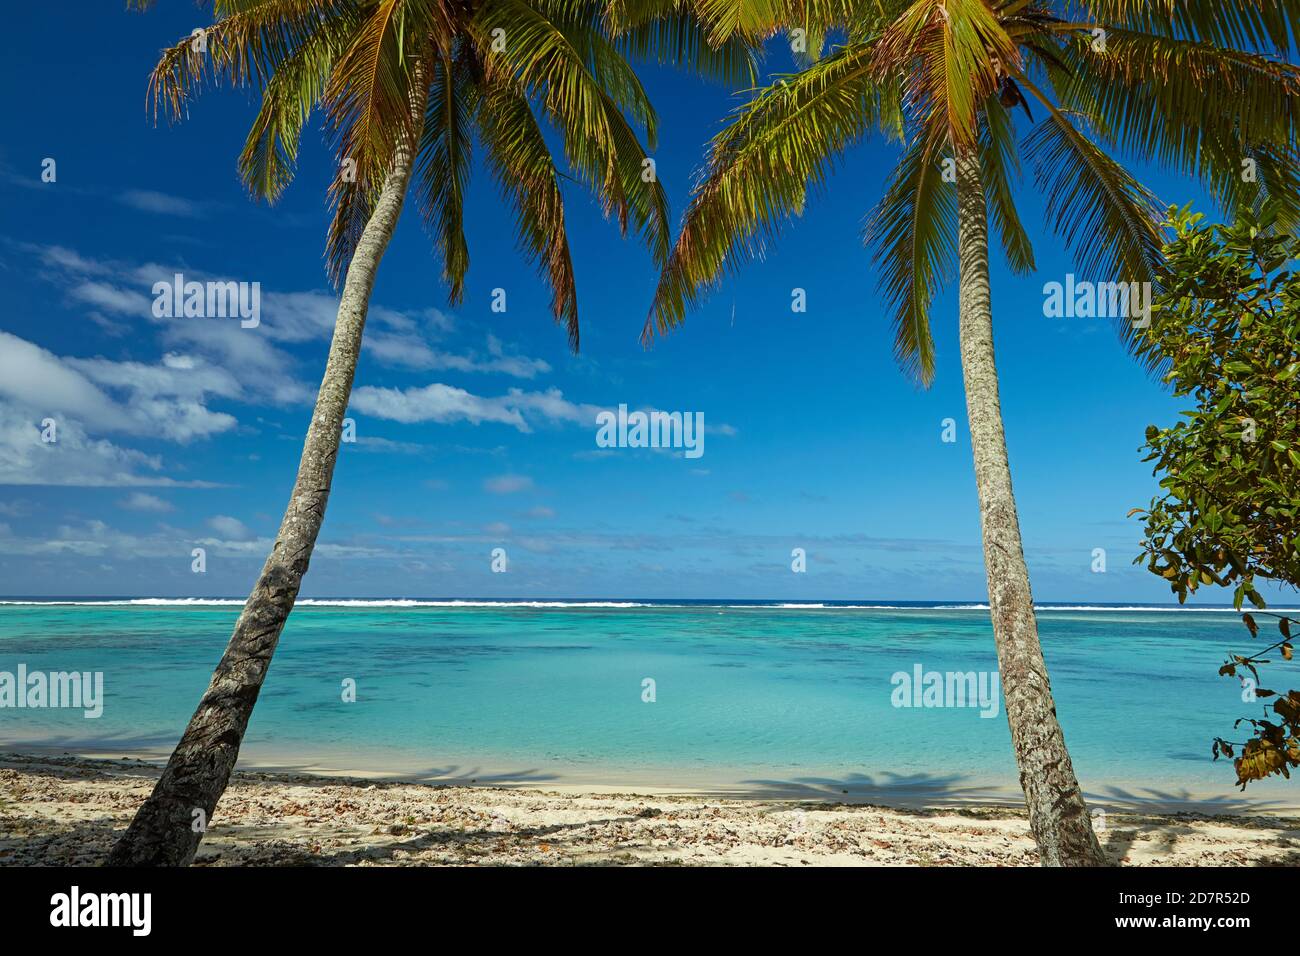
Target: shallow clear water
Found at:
x=770, y=695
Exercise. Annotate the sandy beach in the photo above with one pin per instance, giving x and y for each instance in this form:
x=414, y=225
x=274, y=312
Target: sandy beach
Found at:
x=67, y=811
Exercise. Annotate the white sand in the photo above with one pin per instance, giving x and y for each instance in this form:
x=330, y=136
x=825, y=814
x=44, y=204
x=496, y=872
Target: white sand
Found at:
x=68, y=810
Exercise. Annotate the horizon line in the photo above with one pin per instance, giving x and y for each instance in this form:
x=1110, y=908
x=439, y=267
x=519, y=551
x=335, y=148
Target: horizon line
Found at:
x=774, y=603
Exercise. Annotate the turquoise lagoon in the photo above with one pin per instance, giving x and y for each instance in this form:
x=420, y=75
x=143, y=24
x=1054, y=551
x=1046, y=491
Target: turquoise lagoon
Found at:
x=748, y=698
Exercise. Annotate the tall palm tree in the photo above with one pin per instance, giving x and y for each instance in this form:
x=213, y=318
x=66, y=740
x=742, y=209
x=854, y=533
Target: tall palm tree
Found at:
x=407, y=86
x=1200, y=87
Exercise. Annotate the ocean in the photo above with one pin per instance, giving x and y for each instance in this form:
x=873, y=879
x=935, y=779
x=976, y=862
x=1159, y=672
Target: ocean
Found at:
x=733, y=697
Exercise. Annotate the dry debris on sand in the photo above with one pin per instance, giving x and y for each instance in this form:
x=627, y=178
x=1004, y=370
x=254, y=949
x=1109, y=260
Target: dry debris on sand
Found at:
x=67, y=810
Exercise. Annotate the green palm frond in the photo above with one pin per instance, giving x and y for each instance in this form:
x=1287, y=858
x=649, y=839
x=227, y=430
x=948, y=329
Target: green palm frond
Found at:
x=372, y=100
x=270, y=153
x=760, y=169
x=1199, y=110
x=728, y=18
x=870, y=18
x=599, y=143
x=244, y=47
x=999, y=161
x=914, y=233
x=1191, y=85
x=1238, y=24
x=671, y=34
x=953, y=52
x=370, y=95
x=381, y=69
x=753, y=20
x=1161, y=96
x=1109, y=219
x=524, y=169
x=443, y=167
x=814, y=44
x=1276, y=187
x=581, y=26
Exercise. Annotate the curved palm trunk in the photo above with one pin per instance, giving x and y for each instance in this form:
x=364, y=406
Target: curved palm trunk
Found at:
x=1058, y=815
x=164, y=830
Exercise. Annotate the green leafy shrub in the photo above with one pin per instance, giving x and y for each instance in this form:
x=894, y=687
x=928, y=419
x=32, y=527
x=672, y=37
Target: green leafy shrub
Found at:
x=1225, y=327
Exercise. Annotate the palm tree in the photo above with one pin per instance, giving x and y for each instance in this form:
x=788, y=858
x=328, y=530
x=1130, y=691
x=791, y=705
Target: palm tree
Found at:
x=407, y=86
x=1196, y=86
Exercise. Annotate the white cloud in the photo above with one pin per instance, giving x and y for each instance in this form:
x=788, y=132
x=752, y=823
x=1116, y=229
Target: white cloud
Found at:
x=112, y=298
x=230, y=528
x=148, y=200
x=552, y=404
x=207, y=359
x=516, y=365
x=68, y=259
x=87, y=396
x=139, y=501
x=74, y=459
x=446, y=404
x=36, y=378
x=409, y=350
x=254, y=357
x=518, y=408
x=377, y=444
x=434, y=403
x=392, y=338
x=160, y=401
x=508, y=484
x=262, y=370
x=298, y=316
x=95, y=539
x=177, y=374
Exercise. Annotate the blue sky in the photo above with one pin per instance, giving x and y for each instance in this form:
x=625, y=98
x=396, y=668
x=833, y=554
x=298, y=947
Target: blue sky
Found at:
x=184, y=433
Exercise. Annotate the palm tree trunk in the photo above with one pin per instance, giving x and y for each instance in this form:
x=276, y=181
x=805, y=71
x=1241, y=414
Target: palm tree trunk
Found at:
x=1058, y=816
x=165, y=830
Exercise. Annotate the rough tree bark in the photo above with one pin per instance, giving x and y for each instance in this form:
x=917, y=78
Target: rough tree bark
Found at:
x=1058, y=816
x=163, y=832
